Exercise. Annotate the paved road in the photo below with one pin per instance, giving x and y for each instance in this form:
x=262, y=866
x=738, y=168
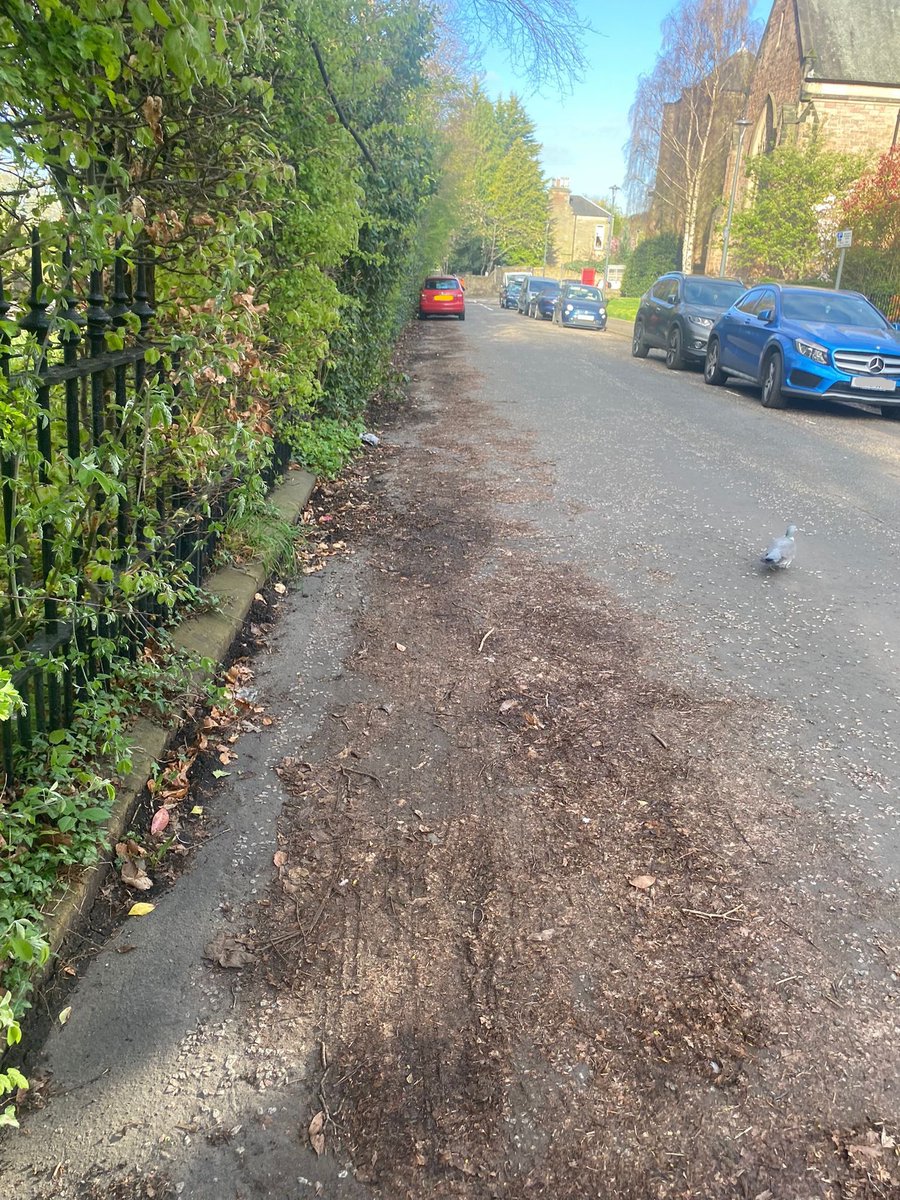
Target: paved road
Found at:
x=671, y=489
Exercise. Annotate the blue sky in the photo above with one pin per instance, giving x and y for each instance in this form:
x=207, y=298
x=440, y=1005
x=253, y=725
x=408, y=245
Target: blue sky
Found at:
x=583, y=132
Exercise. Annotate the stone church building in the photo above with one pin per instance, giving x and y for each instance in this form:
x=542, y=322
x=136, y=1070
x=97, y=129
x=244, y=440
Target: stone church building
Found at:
x=824, y=67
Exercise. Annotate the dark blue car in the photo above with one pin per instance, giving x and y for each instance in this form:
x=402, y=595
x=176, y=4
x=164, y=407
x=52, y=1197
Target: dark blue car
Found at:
x=580, y=305
x=541, y=304
x=807, y=342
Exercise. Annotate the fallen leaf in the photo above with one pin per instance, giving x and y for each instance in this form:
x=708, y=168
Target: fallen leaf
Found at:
x=507, y=705
x=226, y=950
x=643, y=882
x=141, y=909
x=533, y=720
x=279, y=858
x=160, y=821
x=279, y=588
x=134, y=876
x=400, y=647
x=259, y=598
x=544, y=936
x=197, y=810
x=862, y=1156
x=217, y=774
x=65, y=1014
x=316, y=1136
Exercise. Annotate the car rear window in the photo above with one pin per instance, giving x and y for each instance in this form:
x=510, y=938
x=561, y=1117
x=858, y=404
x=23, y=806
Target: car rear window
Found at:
x=441, y=283
x=831, y=309
x=713, y=294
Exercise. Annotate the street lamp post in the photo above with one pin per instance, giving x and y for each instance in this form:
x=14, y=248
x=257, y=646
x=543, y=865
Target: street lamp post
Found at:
x=612, y=226
x=741, y=124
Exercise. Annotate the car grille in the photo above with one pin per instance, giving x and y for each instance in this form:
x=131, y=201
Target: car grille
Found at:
x=859, y=362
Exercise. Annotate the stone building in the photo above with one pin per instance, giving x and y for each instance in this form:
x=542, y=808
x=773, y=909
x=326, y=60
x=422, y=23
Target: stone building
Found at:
x=579, y=229
x=824, y=67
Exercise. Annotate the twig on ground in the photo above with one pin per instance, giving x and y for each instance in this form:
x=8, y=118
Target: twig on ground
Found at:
x=662, y=741
x=713, y=916
x=365, y=774
x=484, y=639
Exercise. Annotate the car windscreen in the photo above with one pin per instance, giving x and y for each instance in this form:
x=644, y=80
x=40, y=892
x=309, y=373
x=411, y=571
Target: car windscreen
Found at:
x=551, y=289
x=584, y=291
x=712, y=293
x=538, y=285
x=442, y=284
x=831, y=309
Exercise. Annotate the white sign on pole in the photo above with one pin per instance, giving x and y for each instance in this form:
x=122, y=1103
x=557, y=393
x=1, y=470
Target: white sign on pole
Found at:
x=845, y=239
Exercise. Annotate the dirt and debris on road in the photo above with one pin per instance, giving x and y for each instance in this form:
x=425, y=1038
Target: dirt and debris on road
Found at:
x=537, y=926
x=532, y=909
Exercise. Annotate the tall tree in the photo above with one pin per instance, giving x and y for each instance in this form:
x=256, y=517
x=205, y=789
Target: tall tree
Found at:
x=494, y=172
x=683, y=113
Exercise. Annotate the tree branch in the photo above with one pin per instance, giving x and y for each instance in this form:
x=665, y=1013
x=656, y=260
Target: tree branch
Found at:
x=336, y=104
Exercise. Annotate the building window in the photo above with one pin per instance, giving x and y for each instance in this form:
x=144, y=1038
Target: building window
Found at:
x=599, y=231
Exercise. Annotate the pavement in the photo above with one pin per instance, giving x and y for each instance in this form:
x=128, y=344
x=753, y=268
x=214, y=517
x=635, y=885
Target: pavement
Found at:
x=209, y=636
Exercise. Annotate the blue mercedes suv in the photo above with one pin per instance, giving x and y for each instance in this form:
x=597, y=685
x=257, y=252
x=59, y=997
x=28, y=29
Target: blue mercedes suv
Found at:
x=807, y=342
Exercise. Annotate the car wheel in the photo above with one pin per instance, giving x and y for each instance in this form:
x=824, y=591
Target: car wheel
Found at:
x=639, y=348
x=462, y=316
x=712, y=370
x=675, y=350
x=891, y=411
x=772, y=380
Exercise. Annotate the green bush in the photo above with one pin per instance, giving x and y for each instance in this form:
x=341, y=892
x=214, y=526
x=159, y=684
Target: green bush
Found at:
x=653, y=257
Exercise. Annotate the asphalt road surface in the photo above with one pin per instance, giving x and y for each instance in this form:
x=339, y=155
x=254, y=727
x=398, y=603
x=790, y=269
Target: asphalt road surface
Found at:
x=669, y=490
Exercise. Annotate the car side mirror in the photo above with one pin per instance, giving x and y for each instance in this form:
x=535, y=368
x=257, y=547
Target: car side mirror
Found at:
x=896, y=325
x=766, y=315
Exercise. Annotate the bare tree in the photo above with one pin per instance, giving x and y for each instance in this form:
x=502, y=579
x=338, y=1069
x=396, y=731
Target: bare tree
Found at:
x=683, y=114
x=542, y=38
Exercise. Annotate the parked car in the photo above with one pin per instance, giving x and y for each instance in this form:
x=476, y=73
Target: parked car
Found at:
x=442, y=296
x=511, y=278
x=678, y=312
x=542, y=302
x=530, y=288
x=580, y=305
x=509, y=293
x=809, y=342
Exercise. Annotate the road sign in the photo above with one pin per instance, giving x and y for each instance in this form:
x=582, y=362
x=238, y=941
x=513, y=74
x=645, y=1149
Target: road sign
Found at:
x=844, y=239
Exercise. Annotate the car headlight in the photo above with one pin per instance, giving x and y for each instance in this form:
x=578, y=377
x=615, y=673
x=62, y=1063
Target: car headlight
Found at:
x=569, y=307
x=602, y=311
x=812, y=350
x=706, y=322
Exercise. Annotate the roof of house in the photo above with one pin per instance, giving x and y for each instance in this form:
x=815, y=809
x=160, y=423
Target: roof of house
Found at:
x=582, y=207
x=852, y=41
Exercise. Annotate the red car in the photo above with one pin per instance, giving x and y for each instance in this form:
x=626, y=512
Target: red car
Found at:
x=442, y=295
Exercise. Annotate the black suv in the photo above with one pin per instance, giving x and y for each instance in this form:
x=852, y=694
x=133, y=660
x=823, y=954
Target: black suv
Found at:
x=678, y=312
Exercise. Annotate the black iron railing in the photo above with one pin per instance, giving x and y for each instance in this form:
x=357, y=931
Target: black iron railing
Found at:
x=61, y=618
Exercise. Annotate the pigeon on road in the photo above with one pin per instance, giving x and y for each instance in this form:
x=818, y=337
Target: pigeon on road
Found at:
x=781, y=550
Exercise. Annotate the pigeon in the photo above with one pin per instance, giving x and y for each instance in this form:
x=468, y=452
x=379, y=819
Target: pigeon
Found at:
x=781, y=550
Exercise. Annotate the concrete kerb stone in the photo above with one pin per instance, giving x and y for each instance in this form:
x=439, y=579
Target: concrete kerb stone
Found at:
x=209, y=635
x=621, y=328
